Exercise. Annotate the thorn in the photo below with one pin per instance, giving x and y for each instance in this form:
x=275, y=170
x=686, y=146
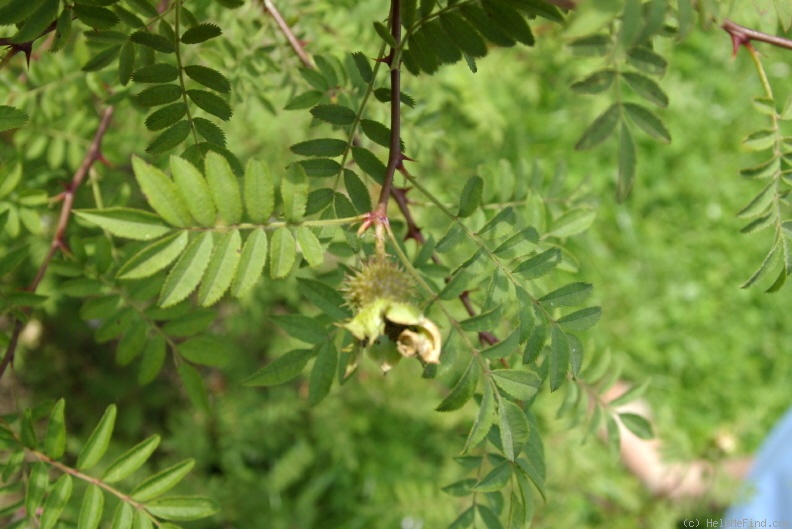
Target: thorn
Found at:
x=104, y=161
x=739, y=39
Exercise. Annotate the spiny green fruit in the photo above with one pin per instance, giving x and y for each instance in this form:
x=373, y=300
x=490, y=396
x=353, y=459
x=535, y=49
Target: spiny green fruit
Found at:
x=378, y=279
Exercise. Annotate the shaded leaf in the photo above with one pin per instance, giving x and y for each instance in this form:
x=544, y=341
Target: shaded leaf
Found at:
x=600, y=130
x=581, y=320
x=514, y=428
x=282, y=369
x=206, y=350
x=323, y=372
x=521, y=385
x=201, y=33
x=211, y=103
x=463, y=390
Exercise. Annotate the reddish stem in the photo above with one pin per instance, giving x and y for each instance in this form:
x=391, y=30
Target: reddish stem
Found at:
x=93, y=155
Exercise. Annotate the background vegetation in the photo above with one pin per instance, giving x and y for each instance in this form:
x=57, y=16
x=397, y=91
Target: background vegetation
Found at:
x=667, y=265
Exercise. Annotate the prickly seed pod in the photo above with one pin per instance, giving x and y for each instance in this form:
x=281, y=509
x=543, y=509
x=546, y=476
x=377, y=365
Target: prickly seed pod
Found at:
x=379, y=278
x=385, y=323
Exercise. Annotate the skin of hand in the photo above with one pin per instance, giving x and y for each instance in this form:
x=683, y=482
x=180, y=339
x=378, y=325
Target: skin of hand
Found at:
x=672, y=480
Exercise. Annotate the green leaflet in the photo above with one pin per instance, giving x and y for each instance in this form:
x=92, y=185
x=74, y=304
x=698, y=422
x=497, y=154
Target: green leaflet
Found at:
x=251, y=263
x=282, y=253
x=259, y=191
x=188, y=270
x=463, y=390
x=627, y=163
x=91, y=509
x=162, y=481
x=334, y=114
x=153, y=41
x=97, y=443
x=568, y=295
x=581, y=319
x=521, y=385
x=156, y=73
x=539, y=265
x=302, y=328
x=484, y=420
x=497, y=478
x=559, y=358
x=131, y=460
x=154, y=257
x=573, y=222
x=210, y=132
x=206, y=350
x=282, y=369
x=646, y=88
x=514, y=428
x=11, y=118
x=503, y=348
x=208, y=77
x=637, y=425
x=358, y=192
x=595, y=83
x=201, y=33
x=325, y=147
x=323, y=372
x=294, y=193
x=648, y=122
x=37, y=484
x=162, y=194
x=132, y=343
x=122, y=519
x=471, y=196
x=126, y=222
x=363, y=66
x=58, y=497
x=325, y=298
x=601, y=129
x=182, y=508
x=166, y=116
x=194, y=386
x=55, y=440
x=153, y=357
x=221, y=269
x=172, y=137
x=223, y=187
x=310, y=247
x=193, y=187
x=484, y=321
x=211, y=103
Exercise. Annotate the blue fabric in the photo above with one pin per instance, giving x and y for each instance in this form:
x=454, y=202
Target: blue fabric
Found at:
x=767, y=494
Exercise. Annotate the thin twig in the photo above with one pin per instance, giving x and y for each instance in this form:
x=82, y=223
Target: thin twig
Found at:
x=93, y=155
x=742, y=36
x=289, y=34
x=395, y=156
